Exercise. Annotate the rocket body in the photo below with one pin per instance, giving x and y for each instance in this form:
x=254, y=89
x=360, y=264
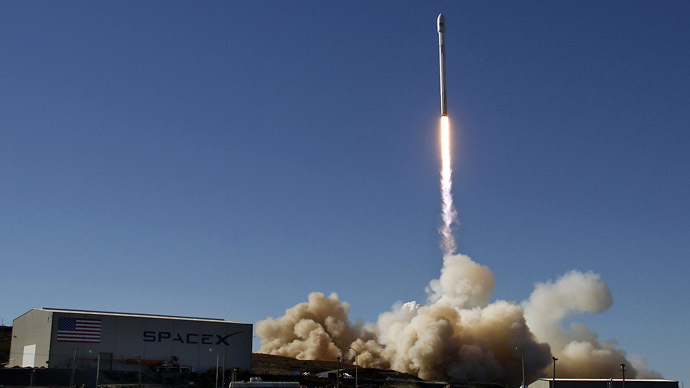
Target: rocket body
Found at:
x=441, y=28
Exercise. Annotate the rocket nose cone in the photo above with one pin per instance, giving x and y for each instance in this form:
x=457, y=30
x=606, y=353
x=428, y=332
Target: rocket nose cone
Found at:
x=441, y=23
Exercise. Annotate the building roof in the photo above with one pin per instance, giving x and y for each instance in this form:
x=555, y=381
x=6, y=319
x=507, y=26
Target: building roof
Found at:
x=631, y=380
x=137, y=315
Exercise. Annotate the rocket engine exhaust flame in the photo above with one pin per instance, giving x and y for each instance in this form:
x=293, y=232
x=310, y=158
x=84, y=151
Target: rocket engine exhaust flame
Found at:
x=448, y=212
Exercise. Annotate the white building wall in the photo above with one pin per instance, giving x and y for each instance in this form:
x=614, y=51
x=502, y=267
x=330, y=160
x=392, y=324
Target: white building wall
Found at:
x=128, y=341
x=30, y=339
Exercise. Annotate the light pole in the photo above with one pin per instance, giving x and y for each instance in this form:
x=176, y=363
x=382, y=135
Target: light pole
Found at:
x=222, y=383
x=139, y=360
x=356, y=366
x=554, y=372
x=337, y=375
x=623, y=373
x=522, y=357
x=98, y=365
x=211, y=350
x=74, y=365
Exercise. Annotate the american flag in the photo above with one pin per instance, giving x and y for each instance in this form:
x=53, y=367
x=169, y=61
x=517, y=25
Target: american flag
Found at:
x=79, y=330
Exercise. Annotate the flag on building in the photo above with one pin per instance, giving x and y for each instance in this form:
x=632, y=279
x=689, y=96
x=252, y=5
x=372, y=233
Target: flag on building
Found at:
x=79, y=330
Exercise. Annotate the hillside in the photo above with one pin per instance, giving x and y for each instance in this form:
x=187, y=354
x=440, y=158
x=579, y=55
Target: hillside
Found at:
x=266, y=364
x=5, y=341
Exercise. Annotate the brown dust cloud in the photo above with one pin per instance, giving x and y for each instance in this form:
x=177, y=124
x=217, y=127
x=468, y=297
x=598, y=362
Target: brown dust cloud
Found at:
x=459, y=334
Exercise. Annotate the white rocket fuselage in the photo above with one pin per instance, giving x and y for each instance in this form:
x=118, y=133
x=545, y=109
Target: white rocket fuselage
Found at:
x=441, y=27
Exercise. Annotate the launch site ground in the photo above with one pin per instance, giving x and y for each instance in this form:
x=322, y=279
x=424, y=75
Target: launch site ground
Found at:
x=268, y=368
x=272, y=368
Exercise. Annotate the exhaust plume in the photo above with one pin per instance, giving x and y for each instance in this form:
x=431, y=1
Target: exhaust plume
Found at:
x=448, y=212
x=460, y=334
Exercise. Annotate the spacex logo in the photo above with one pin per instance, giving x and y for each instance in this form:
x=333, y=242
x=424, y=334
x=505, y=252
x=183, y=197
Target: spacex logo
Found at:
x=187, y=338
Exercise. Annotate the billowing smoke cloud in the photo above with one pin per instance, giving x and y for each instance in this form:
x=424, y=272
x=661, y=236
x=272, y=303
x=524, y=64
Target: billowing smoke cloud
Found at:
x=316, y=330
x=459, y=334
x=579, y=351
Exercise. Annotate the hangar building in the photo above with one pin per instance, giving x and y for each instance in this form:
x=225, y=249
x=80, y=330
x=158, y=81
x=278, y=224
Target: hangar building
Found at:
x=604, y=383
x=57, y=338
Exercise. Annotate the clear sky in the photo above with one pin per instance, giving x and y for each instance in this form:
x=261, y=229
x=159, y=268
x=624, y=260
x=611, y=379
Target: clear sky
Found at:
x=224, y=159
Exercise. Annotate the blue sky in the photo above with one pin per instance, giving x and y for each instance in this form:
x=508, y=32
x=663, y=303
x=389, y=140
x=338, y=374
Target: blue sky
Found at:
x=224, y=159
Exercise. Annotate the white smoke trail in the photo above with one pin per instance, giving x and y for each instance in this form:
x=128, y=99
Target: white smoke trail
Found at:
x=448, y=212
